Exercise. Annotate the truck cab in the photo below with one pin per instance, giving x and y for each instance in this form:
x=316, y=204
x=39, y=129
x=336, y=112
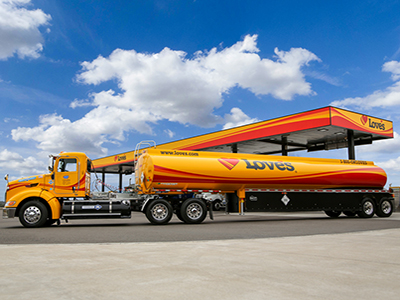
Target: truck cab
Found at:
x=37, y=200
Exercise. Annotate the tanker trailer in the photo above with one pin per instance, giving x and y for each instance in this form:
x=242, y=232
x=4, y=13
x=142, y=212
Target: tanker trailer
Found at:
x=258, y=183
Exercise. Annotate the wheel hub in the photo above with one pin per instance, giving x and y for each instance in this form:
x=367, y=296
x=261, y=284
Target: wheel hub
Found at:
x=160, y=212
x=32, y=214
x=368, y=208
x=194, y=211
x=386, y=207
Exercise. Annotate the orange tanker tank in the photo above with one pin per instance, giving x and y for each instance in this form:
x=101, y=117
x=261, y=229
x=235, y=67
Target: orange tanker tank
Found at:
x=194, y=170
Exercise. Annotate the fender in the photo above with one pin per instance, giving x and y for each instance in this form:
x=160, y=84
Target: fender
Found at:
x=150, y=197
x=51, y=200
x=55, y=205
x=28, y=193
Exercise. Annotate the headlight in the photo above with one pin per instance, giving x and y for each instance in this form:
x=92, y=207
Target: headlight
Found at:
x=10, y=203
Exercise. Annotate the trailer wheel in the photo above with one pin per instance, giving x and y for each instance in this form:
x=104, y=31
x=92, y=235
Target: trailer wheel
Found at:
x=159, y=212
x=384, y=209
x=33, y=214
x=367, y=209
x=333, y=213
x=193, y=211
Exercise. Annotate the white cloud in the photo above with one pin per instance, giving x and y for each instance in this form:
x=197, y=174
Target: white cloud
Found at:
x=391, y=165
x=19, y=29
x=392, y=67
x=13, y=162
x=170, y=133
x=169, y=86
x=237, y=118
x=380, y=98
x=383, y=146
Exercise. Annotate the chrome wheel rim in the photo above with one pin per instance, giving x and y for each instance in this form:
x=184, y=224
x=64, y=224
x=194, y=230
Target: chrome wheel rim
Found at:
x=32, y=215
x=194, y=211
x=386, y=207
x=159, y=212
x=368, y=208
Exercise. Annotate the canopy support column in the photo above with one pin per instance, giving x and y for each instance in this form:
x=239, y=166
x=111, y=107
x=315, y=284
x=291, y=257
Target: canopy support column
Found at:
x=284, y=146
x=350, y=145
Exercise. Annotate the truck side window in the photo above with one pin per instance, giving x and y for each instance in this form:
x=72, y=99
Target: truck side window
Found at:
x=67, y=165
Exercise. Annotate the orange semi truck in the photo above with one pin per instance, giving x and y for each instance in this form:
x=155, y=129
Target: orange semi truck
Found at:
x=170, y=181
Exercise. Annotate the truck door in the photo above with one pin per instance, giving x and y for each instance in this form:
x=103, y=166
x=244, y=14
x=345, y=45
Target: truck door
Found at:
x=66, y=183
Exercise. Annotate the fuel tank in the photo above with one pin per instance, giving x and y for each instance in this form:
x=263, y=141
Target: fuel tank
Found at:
x=200, y=170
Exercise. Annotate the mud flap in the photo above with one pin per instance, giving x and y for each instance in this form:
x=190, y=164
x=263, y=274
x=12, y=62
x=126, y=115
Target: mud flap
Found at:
x=210, y=208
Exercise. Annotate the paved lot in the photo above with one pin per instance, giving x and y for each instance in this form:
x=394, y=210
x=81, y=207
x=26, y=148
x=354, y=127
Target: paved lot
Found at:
x=138, y=229
x=351, y=265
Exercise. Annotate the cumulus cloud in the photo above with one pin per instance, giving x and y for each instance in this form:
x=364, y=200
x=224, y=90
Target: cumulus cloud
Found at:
x=381, y=98
x=392, y=165
x=11, y=161
x=19, y=29
x=237, y=118
x=170, y=86
x=383, y=146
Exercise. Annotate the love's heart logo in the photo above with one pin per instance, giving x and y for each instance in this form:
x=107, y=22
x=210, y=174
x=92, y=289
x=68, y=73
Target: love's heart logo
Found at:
x=229, y=163
x=364, y=119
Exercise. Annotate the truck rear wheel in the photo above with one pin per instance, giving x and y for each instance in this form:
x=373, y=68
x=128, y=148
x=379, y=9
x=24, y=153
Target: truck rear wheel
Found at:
x=367, y=209
x=384, y=209
x=193, y=211
x=159, y=212
x=33, y=214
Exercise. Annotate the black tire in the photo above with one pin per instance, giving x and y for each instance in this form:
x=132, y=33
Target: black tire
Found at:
x=33, y=214
x=333, y=213
x=367, y=209
x=193, y=211
x=159, y=212
x=350, y=213
x=384, y=209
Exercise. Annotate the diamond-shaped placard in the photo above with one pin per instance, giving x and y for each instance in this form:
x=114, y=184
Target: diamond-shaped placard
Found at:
x=285, y=199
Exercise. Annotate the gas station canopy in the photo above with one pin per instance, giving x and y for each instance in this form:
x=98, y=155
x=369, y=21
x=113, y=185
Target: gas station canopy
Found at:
x=320, y=129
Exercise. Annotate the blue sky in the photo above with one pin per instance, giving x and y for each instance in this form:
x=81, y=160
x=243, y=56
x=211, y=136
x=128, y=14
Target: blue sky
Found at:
x=100, y=76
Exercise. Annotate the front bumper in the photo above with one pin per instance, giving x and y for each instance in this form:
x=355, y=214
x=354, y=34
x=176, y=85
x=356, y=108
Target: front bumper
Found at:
x=9, y=213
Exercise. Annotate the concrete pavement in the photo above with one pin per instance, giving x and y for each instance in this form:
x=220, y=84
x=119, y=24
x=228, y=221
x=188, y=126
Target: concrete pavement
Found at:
x=362, y=265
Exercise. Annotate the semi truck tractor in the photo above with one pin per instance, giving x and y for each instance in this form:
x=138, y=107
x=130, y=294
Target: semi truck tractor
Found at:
x=170, y=182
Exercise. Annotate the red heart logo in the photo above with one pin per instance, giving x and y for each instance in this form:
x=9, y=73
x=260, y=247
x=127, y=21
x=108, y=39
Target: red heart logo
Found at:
x=364, y=119
x=230, y=163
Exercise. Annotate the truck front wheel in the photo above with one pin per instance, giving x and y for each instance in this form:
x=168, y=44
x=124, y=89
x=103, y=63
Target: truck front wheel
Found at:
x=159, y=212
x=193, y=211
x=33, y=214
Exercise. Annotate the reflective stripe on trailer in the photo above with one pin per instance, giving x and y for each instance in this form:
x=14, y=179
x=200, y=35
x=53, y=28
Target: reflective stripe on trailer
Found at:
x=188, y=191
x=277, y=190
x=318, y=191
